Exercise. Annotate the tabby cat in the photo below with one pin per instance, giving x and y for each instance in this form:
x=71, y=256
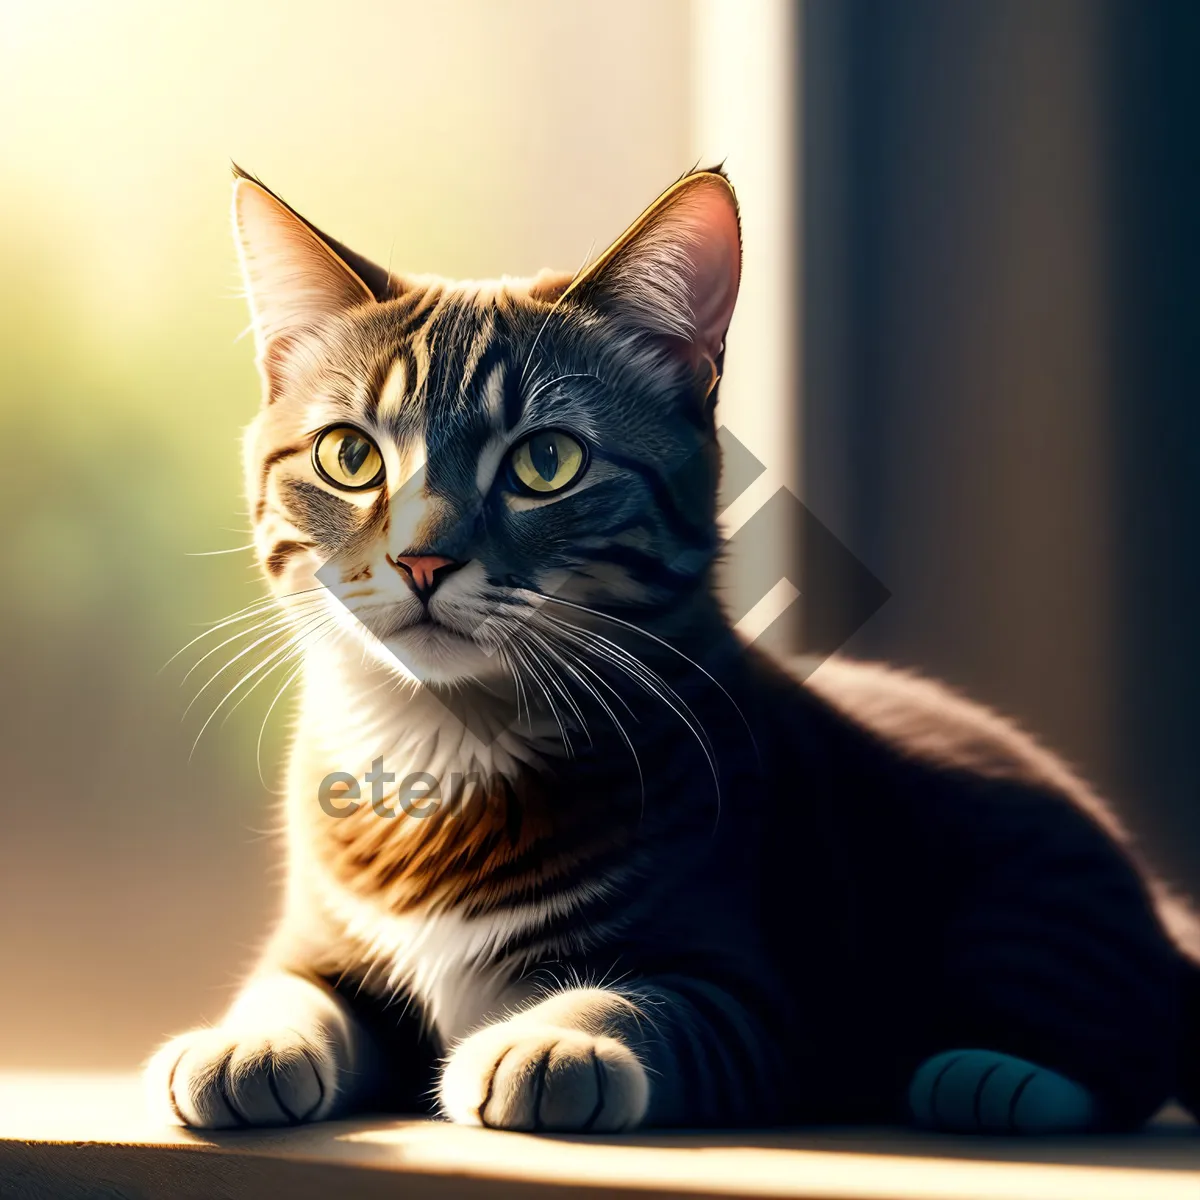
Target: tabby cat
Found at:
x=562, y=852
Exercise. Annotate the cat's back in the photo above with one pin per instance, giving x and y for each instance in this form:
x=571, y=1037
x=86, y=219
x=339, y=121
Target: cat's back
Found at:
x=925, y=775
x=905, y=780
x=927, y=724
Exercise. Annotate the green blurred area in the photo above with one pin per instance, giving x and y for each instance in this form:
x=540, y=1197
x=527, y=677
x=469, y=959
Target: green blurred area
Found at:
x=125, y=459
x=122, y=464
x=124, y=472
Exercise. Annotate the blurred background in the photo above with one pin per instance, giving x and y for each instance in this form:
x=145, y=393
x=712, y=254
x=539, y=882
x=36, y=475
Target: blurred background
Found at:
x=967, y=339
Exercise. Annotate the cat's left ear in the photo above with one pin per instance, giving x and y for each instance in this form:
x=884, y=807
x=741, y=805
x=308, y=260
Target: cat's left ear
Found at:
x=675, y=271
x=295, y=275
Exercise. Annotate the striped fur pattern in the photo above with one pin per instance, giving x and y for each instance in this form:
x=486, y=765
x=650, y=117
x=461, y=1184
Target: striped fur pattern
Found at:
x=648, y=877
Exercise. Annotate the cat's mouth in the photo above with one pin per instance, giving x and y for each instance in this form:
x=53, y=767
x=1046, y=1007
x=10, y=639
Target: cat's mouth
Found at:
x=428, y=626
x=432, y=650
x=425, y=619
x=398, y=620
x=427, y=645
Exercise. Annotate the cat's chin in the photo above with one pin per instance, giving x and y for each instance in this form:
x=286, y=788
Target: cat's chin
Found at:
x=435, y=654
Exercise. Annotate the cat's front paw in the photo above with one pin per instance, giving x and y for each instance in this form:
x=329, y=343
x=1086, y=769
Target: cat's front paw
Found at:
x=227, y=1079
x=515, y=1075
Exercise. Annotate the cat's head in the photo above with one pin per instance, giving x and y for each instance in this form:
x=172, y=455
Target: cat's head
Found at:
x=452, y=459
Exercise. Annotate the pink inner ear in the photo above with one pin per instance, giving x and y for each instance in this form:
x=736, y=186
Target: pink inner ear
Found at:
x=716, y=258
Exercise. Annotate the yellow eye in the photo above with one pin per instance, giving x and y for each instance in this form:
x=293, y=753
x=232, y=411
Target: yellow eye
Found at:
x=347, y=458
x=547, y=462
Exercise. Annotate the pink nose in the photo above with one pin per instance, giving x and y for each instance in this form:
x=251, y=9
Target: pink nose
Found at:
x=424, y=571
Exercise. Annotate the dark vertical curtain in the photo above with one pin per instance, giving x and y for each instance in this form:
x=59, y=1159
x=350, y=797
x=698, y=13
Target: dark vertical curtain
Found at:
x=1000, y=409
x=1153, y=342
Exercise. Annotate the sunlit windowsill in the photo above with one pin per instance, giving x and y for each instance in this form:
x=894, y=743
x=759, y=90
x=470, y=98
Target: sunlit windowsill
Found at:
x=71, y=1134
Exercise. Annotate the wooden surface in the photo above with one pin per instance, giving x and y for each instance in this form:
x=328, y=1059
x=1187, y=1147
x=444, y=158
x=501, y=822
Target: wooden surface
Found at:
x=87, y=1136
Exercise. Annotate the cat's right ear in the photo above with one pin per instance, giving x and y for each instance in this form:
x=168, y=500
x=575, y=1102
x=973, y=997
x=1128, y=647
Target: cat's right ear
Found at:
x=294, y=275
x=675, y=271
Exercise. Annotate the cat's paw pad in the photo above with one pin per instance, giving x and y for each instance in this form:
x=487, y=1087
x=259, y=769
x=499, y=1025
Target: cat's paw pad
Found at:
x=228, y=1079
x=984, y=1091
x=541, y=1077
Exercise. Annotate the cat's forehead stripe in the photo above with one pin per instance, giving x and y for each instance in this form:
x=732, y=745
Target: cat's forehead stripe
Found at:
x=414, y=352
x=395, y=388
x=514, y=399
x=419, y=345
x=477, y=352
x=493, y=394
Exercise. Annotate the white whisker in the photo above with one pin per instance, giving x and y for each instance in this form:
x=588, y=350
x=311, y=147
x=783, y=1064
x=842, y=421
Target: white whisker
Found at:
x=295, y=643
x=257, y=608
x=278, y=631
x=612, y=716
x=518, y=650
x=290, y=647
x=277, y=621
x=665, y=644
x=262, y=729
x=653, y=683
x=211, y=553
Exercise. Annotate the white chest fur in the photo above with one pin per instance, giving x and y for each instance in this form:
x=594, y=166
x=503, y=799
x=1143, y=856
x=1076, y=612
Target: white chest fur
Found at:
x=450, y=964
x=455, y=966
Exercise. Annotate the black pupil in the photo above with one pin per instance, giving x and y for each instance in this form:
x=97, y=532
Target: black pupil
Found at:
x=353, y=453
x=543, y=453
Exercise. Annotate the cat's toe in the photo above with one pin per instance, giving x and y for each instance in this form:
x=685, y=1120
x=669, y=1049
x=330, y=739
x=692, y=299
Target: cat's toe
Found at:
x=509, y=1076
x=222, y=1079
